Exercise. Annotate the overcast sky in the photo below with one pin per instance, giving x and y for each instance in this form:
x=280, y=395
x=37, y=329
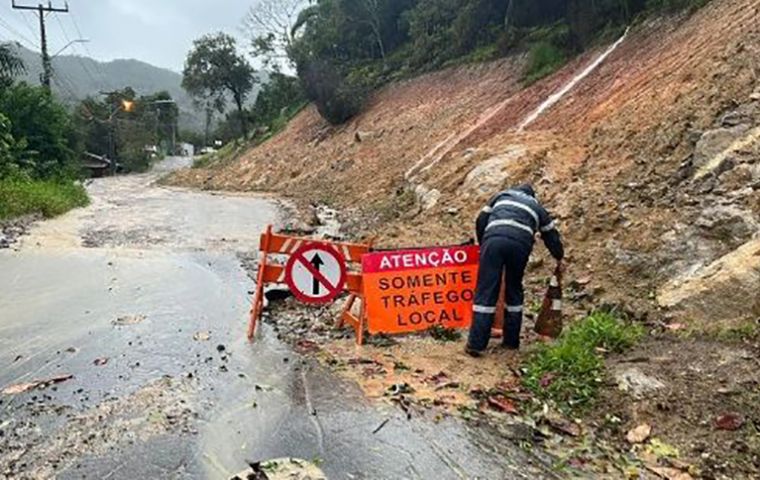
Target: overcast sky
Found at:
x=159, y=32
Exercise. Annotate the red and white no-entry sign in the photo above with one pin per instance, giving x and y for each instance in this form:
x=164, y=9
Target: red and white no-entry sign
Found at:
x=316, y=273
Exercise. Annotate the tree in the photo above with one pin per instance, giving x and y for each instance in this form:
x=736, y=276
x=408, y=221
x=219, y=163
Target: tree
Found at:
x=149, y=120
x=271, y=25
x=372, y=14
x=214, y=68
x=10, y=64
x=43, y=126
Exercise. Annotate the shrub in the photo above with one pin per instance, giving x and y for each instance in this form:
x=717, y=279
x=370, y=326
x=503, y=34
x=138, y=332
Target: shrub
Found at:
x=43, y=126
x=336, y=98
x=49, y=198
x=543, y=60
x=569, y=372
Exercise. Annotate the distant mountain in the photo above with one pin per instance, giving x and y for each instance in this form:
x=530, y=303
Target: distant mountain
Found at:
x=77, y=77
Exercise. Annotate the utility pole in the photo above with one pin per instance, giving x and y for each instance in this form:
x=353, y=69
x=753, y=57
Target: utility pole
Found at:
x=42, y=10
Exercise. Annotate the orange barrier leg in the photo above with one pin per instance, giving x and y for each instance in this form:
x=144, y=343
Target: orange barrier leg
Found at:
x=346, y=310
x=258, y=299
x=361, y=324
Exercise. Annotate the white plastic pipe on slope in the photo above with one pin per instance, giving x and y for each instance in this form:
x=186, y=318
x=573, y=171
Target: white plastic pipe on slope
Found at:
x=556, y=97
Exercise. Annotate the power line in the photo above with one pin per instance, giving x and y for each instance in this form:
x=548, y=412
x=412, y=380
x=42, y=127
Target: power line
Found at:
x=18, y=35
x=78, y=58
x=29, y=25
x=47, y=70
x=65, y=84
x=98, y=66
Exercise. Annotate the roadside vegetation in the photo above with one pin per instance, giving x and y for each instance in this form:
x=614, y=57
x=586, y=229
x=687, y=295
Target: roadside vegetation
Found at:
x=48, y=198
x=42, y=142
x=344, y=50
x=133, y=122
x=569, y=372
x=215, y=71
x=37, y=148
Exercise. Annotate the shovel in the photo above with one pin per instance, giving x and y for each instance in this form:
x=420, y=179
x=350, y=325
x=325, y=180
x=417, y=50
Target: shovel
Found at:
x=549, y=322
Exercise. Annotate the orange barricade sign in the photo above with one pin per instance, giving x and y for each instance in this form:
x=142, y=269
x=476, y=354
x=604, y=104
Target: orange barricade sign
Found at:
x=411, y=290
x=312, y=279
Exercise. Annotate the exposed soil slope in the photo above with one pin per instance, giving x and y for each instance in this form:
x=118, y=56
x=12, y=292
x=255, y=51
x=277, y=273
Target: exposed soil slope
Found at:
x=616, y=158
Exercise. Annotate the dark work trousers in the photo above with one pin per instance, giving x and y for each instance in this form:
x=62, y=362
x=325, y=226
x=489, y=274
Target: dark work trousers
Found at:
x=499, y=254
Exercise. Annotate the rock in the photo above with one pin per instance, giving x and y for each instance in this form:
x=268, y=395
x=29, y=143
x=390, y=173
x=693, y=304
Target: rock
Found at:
x=713, y=142
x=738, y=177
x=202, y=336
x=639, y=434
x=636, y=382
x=728, y=224
x=469, y=153
x=428, y=198
x=717, y=146
x=726, y=290
x=729, y=421
x=490, y=174
x=363, y=136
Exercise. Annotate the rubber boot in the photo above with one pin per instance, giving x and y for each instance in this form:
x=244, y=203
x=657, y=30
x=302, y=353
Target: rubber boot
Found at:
x=512, y=327
x=480, y=332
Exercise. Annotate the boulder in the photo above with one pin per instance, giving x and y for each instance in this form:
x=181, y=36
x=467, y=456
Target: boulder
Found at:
x=728, y=224
x=720, y=145
x=636, y=382
x=714, y=142
x=363, y=136
x=427, y=197
x=724, y=291
x=491, y=175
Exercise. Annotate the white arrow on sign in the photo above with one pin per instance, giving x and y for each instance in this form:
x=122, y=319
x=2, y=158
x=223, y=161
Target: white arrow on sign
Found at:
x=316, y=273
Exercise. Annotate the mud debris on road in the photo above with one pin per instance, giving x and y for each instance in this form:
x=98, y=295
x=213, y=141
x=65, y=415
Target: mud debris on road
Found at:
x=165, y=385
x=12, y=230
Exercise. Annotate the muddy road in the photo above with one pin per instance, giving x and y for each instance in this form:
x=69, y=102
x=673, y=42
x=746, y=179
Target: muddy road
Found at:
x=141, y=297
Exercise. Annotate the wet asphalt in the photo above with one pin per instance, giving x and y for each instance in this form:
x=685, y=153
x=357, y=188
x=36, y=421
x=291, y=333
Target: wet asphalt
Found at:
x=165, y=262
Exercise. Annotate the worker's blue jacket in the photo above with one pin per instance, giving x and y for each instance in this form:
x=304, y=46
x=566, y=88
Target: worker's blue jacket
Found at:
x=517, y=215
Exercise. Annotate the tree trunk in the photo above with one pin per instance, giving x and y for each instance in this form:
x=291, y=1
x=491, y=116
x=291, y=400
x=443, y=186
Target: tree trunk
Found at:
x=207, y=133
x=379, y=37
x=508, y=15
x=241, y=114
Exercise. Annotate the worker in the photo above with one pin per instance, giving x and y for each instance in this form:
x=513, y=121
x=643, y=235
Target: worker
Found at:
x=506, y=229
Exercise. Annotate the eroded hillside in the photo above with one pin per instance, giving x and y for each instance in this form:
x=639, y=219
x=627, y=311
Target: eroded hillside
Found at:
x=651, y=162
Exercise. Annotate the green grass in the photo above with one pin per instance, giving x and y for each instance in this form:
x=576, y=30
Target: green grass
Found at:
x=49, y=198
x=570, y=371
x=544, y=59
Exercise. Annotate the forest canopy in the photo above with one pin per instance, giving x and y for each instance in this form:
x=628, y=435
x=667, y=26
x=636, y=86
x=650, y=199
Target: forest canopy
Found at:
x=342, y=49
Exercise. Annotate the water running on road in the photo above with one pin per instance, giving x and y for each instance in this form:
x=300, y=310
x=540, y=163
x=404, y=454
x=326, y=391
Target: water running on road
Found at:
x=142, y=298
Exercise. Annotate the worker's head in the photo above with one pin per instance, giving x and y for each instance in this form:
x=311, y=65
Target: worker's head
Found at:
x=527, y=189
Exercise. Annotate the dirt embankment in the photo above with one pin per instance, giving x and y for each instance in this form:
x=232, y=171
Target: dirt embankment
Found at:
x=624, y=159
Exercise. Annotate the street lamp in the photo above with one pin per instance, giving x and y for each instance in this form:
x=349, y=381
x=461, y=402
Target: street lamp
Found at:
x=125, y=105
x=78, y=40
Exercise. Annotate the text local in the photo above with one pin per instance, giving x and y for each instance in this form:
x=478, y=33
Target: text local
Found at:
x=433, y=258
